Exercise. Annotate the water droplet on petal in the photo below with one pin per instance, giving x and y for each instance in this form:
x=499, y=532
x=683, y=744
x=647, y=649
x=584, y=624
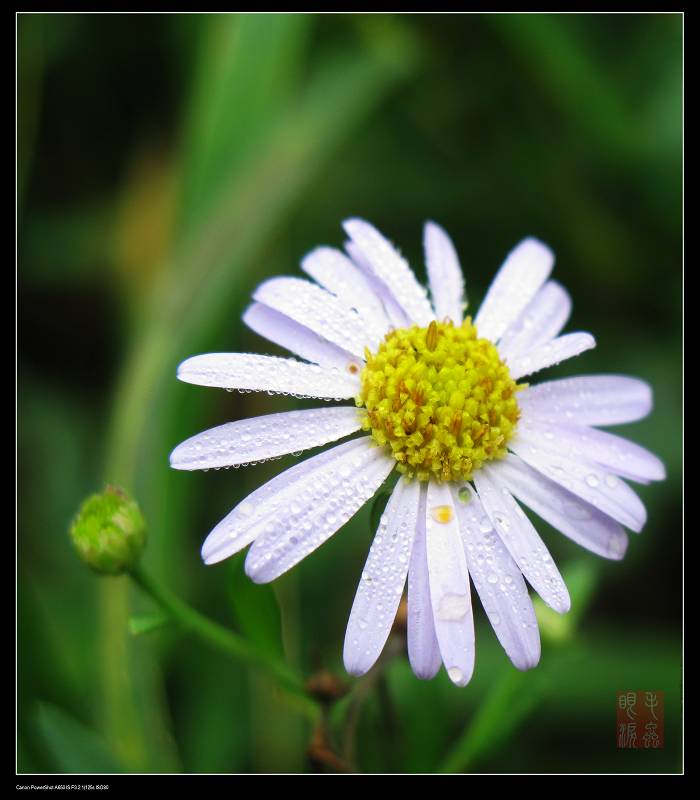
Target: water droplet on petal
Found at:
x=456, y=674
x=464, y=494
x=442, y=514
x=485, y=525
x=502, y=521
x=453, y=607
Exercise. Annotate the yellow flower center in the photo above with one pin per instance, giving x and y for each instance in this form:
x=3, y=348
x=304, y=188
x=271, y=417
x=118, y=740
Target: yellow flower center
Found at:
x=440, y=398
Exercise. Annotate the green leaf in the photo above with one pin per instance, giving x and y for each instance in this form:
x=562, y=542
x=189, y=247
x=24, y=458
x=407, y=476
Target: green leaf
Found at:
x=248, y=65
x=255, y=609
x=505, y=707
x=147, y=623
x=74, y=746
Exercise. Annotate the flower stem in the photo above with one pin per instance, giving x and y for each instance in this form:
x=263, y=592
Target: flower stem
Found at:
x=224, y=639
x=361, y=692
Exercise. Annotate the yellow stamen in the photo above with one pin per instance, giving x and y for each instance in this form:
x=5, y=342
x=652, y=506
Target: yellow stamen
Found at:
x=440, y=399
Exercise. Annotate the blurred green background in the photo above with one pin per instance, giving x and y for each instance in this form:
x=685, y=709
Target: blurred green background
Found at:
x=168, y=164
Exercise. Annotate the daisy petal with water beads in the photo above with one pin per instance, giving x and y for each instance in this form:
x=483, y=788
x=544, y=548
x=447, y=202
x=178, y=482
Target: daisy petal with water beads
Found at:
x=439, y=399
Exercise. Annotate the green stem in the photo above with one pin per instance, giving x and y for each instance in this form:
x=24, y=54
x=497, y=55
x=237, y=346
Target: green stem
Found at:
x=223, y=639
x=361, y=692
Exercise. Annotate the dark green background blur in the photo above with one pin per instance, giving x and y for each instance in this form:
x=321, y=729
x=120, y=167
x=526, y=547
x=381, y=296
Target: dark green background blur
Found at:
x=167, y=164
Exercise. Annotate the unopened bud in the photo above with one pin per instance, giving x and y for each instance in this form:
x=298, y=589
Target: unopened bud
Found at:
x=109, y=532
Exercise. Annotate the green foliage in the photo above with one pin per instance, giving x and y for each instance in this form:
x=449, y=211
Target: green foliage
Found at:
x=255, y=609
x=140, y=624
x=72, y=746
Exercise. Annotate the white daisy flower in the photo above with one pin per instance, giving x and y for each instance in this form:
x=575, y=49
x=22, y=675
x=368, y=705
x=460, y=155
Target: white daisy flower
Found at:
x=436, y=396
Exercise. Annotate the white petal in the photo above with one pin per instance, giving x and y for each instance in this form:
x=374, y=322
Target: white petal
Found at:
x=244, y=523
x=550, y=353
x=580, y=521
x=583, y=477
x=316, y=309
x=525, y=269
x=383, y=578
x=298, y=339
x=588, y=400
x=336, y=272
x=423, y=649
x=542, y=319
x=397, y=316
x=498, y=581
x=252, y=372
x=618, y=455
x=449, y=585
x=444, y=274
x=522, y=540
x=391, y=269
x=259, y=438
x=314, y=509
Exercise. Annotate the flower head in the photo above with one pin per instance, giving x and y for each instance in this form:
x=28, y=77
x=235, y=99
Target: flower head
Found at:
x=439, y=399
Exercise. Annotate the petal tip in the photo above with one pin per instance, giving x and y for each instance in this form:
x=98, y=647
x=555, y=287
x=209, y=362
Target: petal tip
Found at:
x=564, y=606
x=256, y=574
x=526, y=661
x=617, y=546
x=536, y=245
x=212, y=552
x=590, y=341
x=458, y=676
x=432, y=229
x=424, y=672
x=184, y=369
x=355, y=668
x=354, y=226
x=175, y=458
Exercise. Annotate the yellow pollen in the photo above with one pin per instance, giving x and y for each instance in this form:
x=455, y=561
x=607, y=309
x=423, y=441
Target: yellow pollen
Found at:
x=442, y=514
x=440, y=400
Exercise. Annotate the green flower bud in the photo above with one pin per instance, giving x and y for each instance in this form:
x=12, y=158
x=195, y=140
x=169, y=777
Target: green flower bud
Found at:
x=109, y=532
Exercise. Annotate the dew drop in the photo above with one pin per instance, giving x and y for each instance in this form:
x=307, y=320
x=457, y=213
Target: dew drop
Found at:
x=502, y=521
x=456, y=674
x=442, y=514
x=245, y=509
x=453, y=607
x=464, y=495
